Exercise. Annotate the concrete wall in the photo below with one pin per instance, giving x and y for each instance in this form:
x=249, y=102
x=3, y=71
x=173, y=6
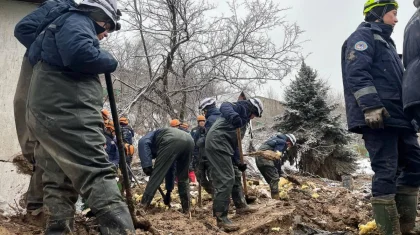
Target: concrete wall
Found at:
x=272, y=108
x=12, y=184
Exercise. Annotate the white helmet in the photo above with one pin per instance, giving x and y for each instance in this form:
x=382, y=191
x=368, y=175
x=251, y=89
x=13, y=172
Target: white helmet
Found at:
x=257, y=104
x=292, y=138
x=108, y=6
x=206, y=102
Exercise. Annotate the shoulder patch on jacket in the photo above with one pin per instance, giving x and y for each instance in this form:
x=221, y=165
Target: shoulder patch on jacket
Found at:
x=360, y=46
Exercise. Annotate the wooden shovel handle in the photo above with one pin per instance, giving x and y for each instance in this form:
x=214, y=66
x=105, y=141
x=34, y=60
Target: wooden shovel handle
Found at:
x=241, y=156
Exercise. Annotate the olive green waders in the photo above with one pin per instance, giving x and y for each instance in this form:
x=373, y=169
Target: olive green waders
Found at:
x=34, y=196
x=64, y=116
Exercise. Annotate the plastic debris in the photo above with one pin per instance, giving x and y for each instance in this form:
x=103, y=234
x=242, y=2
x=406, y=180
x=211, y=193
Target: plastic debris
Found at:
x=315, y=195
x=367, y=228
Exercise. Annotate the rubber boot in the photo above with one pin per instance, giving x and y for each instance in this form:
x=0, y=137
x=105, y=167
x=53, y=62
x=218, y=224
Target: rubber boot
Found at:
x=224, y=223
x=117, y=221
x=246, y=210
x=59, y=227
x=386, y=215
x=275, y=196
x=406, y=200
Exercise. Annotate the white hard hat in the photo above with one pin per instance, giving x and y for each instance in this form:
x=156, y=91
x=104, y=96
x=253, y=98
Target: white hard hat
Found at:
x=258, y=104
x=206, y=102
x=109, y=7
x=292, y=138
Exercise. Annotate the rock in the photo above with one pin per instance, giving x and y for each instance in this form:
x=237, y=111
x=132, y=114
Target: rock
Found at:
x=264, y=193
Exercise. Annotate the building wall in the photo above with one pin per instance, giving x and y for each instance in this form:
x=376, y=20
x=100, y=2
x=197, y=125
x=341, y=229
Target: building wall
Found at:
x=12, y=184
x=272, y=108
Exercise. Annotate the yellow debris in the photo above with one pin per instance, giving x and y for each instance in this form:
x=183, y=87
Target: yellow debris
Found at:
x=305, y=186
x=137, y=197
x=311, y=184
x=283, y=195
x=367, y=228
x=277, y=229
x=193, y=202
x=283, y=181
x=315, y=195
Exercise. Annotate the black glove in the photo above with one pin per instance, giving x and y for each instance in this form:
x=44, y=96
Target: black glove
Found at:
x=242, y=167
x=237, y=122
x=167, y=198
x=148, y=170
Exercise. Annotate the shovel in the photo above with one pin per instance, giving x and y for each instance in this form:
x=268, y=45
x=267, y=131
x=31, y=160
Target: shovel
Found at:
x=249, y=199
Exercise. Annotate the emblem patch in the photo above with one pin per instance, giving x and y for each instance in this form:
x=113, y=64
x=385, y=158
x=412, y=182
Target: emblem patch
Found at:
x=361, y=46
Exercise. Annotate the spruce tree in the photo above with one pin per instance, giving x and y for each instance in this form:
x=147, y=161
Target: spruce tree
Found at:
x=323, y=143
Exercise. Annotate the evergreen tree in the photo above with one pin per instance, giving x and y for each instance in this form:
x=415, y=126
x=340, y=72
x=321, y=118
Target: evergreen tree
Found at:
x=322, y=141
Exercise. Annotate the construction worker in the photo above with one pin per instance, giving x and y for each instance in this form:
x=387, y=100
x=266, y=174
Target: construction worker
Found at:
x=167, y=146
x=271, y=170
x=64, y=116
x=222, y=152
x=111, y=147
x=26, y=31
x=372, y=77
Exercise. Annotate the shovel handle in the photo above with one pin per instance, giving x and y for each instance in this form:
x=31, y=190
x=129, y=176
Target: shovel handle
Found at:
x=241, y=157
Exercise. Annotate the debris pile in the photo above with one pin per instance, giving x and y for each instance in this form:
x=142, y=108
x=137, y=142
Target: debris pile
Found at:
x=317, y=206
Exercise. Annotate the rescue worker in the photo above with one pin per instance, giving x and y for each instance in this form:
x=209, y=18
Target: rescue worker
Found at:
x=271, y=170
x=166, y=145
x=372, y=77
x=222, y=152
x=26, y=31
x=110, y=146
x=64, y=116
x=127, y=136
x=127, y=131
x=201, y=164
x=184, y=126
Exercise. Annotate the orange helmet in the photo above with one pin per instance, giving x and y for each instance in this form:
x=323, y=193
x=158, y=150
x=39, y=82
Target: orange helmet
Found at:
x=201, y=118
x=109, y=125
x=124, y=120
x=174, y=123
x=184, y=125
x=105, y=114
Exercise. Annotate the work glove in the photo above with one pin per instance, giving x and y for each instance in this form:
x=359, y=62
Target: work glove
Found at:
x=374, y=118
x=242, y=167
x=148, y=170
x=167, y=198
x=237, y=122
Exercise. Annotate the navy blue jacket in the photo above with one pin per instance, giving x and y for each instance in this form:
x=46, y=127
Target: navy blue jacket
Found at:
x=411, y=53
x=238, y=114
x=28, y=28
x=211, y=116
x=127, y=133
x=372, y=76
x=71, y=43
x=276, y=143
x=112, y=151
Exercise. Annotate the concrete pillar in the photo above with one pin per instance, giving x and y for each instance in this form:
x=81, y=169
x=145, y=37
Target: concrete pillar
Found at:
x=12, y=183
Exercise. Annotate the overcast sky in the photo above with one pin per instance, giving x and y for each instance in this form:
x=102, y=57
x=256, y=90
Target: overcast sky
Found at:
x=327, y=23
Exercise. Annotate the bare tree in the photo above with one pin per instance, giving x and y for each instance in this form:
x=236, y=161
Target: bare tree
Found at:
x=186, y=46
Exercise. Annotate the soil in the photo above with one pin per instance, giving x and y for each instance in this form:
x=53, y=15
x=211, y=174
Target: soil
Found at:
x=316, y=207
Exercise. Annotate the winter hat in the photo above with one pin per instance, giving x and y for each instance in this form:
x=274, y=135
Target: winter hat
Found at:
x=377, y=12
